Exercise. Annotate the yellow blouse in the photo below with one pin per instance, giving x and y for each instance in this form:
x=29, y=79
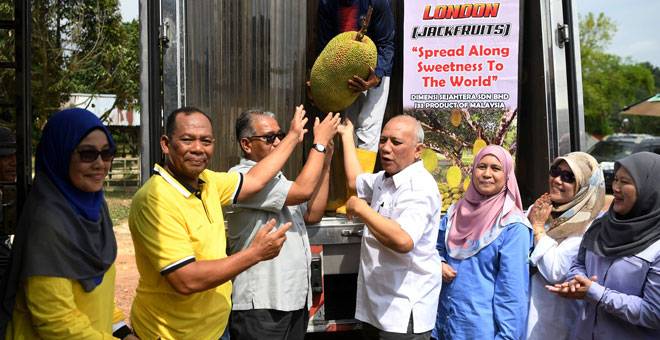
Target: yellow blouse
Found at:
x=59, y=308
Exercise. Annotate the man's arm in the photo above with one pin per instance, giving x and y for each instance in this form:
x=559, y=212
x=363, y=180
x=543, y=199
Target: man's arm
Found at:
x=352, y=165
x=317, y=204
x=387, y=231
x=203, y=275
x=308, y=180
x=255, y=179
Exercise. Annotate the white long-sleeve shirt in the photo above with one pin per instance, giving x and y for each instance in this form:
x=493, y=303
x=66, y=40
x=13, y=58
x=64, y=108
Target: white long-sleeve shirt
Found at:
x=550, y=316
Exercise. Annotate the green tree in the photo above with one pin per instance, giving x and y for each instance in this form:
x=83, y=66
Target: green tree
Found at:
x=105, y=57
x=656, y=74
x=610, y=83
x=7, y=91
x=77, y=46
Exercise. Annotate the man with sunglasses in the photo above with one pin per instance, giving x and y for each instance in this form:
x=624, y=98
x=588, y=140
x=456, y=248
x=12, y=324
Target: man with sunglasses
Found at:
x=271, y=299
x=178, y=231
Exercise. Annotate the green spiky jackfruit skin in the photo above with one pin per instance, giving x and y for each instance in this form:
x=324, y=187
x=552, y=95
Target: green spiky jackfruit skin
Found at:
x=341, y=58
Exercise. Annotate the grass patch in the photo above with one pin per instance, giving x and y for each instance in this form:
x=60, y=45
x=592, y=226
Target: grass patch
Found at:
x=119, y=203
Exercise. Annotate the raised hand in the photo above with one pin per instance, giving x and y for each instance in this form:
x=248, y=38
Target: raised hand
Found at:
x=268, y=242
x=346, y=127
x=298, y=123
x=540, y=211
x=325, y=130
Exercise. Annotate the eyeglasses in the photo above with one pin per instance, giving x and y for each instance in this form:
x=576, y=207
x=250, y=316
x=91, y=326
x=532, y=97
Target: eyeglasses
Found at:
x=91, y=155
x=565, y=175
x=270, y=138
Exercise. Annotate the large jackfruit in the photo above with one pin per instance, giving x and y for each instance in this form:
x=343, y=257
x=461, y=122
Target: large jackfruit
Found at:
x=341, y=58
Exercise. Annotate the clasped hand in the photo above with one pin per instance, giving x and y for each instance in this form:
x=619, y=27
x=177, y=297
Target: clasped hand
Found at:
x=574, y=289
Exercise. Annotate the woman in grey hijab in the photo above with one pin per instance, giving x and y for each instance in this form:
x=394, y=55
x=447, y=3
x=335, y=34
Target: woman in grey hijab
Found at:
x=617, y=270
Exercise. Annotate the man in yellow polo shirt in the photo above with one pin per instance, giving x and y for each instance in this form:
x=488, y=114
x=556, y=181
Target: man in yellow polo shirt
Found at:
x=178, y=231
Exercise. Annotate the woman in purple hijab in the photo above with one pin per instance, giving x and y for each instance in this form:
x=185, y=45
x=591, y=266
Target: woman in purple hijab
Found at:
x=617, y=270
x=484, y=243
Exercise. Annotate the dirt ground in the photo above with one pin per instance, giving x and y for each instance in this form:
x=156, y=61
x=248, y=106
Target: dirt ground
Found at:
x=127, y=274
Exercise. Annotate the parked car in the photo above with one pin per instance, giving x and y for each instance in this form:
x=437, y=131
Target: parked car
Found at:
x=617, y=146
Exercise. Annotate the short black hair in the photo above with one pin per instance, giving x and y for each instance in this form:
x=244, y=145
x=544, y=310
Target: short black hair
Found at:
x=170, y=125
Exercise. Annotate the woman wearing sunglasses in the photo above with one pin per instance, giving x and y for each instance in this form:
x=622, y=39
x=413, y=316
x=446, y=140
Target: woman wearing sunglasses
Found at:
x=617, y=270
x=484, y=242
x=576, y=192
x=62, y=275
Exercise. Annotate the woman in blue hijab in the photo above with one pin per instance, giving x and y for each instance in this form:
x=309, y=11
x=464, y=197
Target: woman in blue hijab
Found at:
x=61, y=279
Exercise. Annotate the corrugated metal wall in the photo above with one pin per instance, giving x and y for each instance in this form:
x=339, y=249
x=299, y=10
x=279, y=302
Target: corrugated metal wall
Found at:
x=257, y=54
x=243, y=55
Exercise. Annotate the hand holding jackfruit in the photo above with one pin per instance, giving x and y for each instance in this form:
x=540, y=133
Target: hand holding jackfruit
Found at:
x=341, y=59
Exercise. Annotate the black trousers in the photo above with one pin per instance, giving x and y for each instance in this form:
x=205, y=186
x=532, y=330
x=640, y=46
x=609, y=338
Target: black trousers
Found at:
x=261, y=324
x=370, y=332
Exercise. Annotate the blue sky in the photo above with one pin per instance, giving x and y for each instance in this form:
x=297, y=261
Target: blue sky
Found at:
x=638, y=23
x=638, y=34
x=129, y=9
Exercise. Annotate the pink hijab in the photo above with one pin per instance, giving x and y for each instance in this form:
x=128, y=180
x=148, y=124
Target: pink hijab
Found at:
x=476, y=220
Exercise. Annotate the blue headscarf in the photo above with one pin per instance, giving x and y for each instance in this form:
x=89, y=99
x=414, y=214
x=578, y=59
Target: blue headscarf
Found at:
x=62, y=134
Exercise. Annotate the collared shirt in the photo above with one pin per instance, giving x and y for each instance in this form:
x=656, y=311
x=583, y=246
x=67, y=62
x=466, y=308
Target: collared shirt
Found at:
x=171, y=227
x=624, y=302
x=281, y=283
x=488, y=298
x=391, y=285
x=50, y=307
x=550, y=317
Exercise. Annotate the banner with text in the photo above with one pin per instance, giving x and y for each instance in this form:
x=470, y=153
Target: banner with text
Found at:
x=461, y=77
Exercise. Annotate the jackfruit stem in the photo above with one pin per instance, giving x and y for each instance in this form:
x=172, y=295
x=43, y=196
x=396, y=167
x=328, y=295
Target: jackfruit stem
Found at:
x=365, y=24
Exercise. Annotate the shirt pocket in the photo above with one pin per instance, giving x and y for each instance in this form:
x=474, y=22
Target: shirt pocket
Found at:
x=628, y=275
x=388, y=209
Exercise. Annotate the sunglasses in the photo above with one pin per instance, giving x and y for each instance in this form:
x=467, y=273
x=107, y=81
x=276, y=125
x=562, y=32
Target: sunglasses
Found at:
x=565, y=175
x=91, y=155
x=269, y=139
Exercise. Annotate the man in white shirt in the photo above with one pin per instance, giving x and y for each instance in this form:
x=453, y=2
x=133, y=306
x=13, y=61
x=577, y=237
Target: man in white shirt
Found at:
x=400, y=277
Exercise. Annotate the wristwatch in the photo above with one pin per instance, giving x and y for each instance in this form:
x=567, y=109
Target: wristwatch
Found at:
x=319, y=147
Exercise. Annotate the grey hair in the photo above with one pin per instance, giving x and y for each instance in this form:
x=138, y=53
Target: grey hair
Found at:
x=420, y=131
x=244, y=126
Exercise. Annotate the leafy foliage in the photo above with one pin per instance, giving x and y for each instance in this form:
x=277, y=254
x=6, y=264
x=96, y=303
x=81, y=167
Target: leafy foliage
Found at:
x=491, y=126
x=611, y=83
x=77, y=46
